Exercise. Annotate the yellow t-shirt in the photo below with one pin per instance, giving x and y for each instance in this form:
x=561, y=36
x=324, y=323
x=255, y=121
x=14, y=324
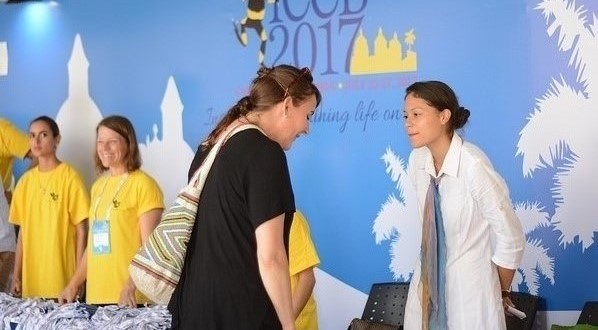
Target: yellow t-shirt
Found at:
x=13, y=143
x=107, y=273
x=302, y=255
x=48, y=206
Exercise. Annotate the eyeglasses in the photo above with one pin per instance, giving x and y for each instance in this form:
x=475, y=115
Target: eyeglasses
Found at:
x=304, y=70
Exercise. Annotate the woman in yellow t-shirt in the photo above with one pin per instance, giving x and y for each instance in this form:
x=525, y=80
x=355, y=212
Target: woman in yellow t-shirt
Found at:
x=50, y=204
x=126, y=205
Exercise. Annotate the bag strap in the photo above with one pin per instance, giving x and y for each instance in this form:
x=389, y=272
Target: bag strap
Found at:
x=199, y=177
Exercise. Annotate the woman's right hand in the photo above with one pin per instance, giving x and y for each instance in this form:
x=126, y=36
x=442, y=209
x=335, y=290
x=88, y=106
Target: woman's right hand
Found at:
x=15, y=287
x=68, y=295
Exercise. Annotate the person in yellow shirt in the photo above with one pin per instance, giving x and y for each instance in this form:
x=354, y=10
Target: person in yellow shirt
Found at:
x=13, y=144
x=303, y=257
x=50, y=205
x=126, y=206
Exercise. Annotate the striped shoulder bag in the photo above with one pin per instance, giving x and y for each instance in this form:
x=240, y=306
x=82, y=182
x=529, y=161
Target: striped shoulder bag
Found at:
x=157, y=266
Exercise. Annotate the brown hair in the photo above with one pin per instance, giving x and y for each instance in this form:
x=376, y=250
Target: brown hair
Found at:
x=271, y=86
x=124, y=128
x=440, y=96
x=48, y=121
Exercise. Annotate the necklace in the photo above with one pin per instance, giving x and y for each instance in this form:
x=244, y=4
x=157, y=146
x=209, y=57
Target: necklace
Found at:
x=43, y=188
x=115, y=203
x=47, y=177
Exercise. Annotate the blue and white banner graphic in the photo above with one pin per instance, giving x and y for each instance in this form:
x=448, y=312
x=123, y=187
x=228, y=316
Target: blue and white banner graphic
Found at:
x=525, y=69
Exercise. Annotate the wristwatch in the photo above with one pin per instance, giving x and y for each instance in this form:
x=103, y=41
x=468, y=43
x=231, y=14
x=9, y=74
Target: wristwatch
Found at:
x=505, y=293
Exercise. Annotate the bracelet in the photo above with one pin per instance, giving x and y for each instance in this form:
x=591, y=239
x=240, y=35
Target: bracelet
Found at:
x=506, y=293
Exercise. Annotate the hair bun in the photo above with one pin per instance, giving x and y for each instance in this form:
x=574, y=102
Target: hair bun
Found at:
x=465, y=112
x=461, y=117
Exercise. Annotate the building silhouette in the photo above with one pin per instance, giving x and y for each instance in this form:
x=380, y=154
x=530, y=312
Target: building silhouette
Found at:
x=387, y=56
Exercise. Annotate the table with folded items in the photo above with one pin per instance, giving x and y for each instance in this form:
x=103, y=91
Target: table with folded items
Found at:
x=38, y=314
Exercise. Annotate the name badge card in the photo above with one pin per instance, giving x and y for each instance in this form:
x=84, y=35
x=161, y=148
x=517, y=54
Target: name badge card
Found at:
x=100, y=231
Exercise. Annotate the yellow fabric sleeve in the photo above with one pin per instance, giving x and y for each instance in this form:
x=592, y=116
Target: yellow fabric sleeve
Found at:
x=13, y=143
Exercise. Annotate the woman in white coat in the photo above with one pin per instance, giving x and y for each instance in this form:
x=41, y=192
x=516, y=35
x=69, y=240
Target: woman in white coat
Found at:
x=472, y=242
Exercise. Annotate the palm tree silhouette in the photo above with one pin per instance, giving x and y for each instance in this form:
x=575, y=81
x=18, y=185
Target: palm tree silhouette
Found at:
x=561, y=127
x=398, y=220
x=410, y=38
x=535, y=260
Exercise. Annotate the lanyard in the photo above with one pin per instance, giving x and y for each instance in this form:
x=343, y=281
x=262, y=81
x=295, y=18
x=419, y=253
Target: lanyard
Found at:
x=99, y=198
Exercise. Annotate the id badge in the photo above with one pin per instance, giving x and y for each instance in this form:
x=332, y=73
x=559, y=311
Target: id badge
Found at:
x=100, y=231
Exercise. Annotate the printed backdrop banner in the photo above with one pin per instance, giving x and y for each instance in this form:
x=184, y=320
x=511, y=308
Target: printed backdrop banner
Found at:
x=525, y=69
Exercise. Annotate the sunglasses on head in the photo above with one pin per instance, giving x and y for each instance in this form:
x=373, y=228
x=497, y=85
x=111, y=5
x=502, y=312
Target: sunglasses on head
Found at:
x=302, y=72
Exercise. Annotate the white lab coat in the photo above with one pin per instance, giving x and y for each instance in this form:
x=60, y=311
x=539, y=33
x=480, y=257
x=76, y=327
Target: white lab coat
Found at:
x=476, y=211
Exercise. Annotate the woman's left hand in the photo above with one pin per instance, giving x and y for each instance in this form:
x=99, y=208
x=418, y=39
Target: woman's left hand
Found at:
x=127, y=296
